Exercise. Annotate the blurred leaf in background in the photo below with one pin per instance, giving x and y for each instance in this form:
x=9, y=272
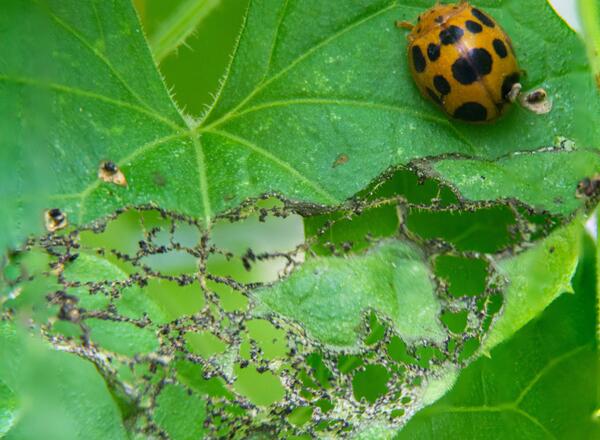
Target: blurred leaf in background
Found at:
x=193, y=40
x=60, y=396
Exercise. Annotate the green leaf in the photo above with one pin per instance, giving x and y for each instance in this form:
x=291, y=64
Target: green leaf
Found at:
x=65, y=396
x=180, y=414
x=539, y=384
x=173, y=32
x=300, y=93
x=589, y=11
x=194, y=71
x=316, y=104
x=536, y=278
x=329, y=294
x=8, y=408
x=545, y=180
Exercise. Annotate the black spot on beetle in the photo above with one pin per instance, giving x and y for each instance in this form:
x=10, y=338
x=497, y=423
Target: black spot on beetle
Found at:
x=500, y=48
x=434, y=96
x=433, y=51
x=439, y=19
x=463, y=71
x=482, y=17
x=451, y=35
x=473, y=26
x=482, y=61
x=418, y=59
x=441, y=84
x=478, y=63
x=509, y=82
x=471, y=112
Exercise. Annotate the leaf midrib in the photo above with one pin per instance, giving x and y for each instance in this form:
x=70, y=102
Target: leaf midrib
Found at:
x=194, y=131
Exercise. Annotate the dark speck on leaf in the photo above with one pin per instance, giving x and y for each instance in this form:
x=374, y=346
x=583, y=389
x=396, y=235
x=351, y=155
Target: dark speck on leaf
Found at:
x=341, y=160
x=159, y=179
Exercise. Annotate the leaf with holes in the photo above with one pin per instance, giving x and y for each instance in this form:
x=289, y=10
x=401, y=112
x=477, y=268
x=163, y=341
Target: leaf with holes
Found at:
x=310, y=83
x=528, y=389
x=420, y=231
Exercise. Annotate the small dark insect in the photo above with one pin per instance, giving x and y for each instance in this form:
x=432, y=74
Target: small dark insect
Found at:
x=69, y=312
x=341, y=160
x=109, y=172
x=588, y=187
x=536, y=101
x=536, y=96
x=55, y=219
x=110, y=167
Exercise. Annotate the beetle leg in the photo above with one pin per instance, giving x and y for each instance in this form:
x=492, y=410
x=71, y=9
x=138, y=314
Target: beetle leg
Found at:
x=514, y=92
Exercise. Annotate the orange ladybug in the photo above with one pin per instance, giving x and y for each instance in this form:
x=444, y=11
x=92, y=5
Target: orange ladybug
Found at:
x=462, y=60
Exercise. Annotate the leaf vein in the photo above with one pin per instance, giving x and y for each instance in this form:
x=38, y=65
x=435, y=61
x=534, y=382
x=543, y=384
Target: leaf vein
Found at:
x=544, y=370
x=89, y=94
x=280, y=162
x=100, y=56
x=85, y=193
x=276, y=38
x=513, y=405
x=306, y=54
x=202, y=178
x=349, y=102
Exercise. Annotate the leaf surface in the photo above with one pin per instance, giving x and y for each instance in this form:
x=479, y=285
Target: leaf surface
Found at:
x=309, y=82
x=539, y=384
x=329, y=294
x=316, y=105
x=65, y=396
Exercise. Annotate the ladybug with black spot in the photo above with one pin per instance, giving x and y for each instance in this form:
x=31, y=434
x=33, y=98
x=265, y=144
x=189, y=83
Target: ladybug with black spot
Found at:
x=462, y=60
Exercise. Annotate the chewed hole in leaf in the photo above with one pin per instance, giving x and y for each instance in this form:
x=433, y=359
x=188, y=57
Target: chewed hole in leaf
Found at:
x=370, y=383
x=464, y=276
x=261, y=388
x=281, y=316
x=487, y=229
x=204, y=344
x=342, y=232
x=412, y=186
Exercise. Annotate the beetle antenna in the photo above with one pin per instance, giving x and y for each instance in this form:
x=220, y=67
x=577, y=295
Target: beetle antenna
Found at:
x=400, y=24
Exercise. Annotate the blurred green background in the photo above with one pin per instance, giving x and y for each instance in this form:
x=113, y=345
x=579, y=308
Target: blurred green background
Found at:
x=194, y=70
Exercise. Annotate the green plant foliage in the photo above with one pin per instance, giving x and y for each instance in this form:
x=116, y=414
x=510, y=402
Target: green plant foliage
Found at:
x=295, y=84
x=60, y=396
x=180, y=413
x=535, y=282
x=541, y=383
x=590, y=14
x=8, y=408
x=417, y=242
x=328, y=294
x=179, y=26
